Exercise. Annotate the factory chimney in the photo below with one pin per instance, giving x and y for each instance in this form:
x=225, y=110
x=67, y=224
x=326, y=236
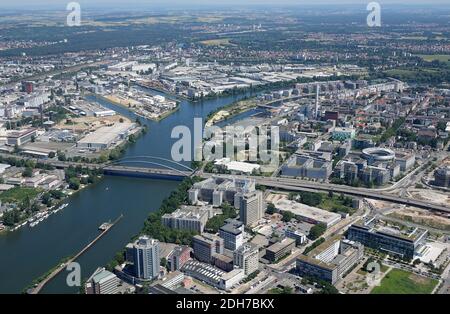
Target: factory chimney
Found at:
x=317, y=101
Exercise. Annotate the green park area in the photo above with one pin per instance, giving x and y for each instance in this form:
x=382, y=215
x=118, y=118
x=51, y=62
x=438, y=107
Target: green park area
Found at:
x=18, y=195
x=441, y=58
x=216, y=42
x=331, y=202
x=398, y=281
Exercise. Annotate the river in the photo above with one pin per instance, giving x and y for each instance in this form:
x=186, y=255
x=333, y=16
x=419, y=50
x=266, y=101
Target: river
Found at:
x=28, y=253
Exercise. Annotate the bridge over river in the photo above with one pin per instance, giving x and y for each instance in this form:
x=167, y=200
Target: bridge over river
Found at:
x=279, y=183
x=160, y=170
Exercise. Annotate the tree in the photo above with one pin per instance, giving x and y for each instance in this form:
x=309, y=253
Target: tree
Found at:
x=51, y=155
x=47, y=199
x=74, y=184
x=11, y=217
x=271, y=209
x=327, y=288
x=26, y=203
x=61, y=156
x=56, y=194
x=27, y=173
x=442, y=125
x=311, y=199
x=287, y=216
x=35, y=207
x=164, y=262
x=317, y=231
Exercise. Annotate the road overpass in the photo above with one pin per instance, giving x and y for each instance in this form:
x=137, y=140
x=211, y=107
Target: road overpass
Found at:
x=151, y=173
x=297, y=185
x=273, y=182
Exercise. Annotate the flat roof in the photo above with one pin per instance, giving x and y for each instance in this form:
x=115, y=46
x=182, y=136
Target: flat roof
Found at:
x=374, y=225
x=281, y=245
x=308, y=212
x=106, y=134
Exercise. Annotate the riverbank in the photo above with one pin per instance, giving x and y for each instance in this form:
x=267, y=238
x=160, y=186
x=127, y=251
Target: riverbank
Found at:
x=39, y=283
x=232, y=110
x=131, y=103
x=37, y=205
x=62, y=234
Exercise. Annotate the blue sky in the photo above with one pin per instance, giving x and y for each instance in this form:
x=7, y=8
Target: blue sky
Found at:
x=55, y=4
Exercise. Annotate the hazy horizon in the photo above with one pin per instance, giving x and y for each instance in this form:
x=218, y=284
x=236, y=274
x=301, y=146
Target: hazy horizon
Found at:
x=192, y=4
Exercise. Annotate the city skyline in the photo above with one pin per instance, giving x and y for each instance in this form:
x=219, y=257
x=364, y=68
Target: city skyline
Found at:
x=225, y=149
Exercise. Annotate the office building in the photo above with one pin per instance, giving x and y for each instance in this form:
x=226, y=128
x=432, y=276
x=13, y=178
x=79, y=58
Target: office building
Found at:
x=304, y=166
x=21, y=137
x=217, y=190
x=251, y=207
x=212, y=275
x=298, y=236
x=232, y=234
x=206, y=245
x=27, y=87
x=331, y=260
x=146, y=258
x=178, y=257
x=223, y=262
x=171, y=281
x=102, y=282
x=342, y=134
x=247, y=258
x=405, y=160
x=308, y=213
x=280, y=249
x=386, y=237
x=188, y=218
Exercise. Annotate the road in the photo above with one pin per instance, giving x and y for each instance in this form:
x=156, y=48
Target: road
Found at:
x=299, y=185
x=289, y=184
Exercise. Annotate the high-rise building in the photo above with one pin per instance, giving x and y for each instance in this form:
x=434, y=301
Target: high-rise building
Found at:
x=217, y=190
x=102, y=282
x=232, y=234
x=247, y=258
x=251, y=207
x=206, y=245
x=241, y=193
x=146, y=258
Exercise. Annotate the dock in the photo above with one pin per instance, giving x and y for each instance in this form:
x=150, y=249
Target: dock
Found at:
x=60, y=268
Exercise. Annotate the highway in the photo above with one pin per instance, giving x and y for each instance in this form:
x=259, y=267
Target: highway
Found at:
x=298, y=185
x=288, y=184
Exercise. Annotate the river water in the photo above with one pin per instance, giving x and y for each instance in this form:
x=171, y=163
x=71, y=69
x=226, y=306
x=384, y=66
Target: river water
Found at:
x=28, y=253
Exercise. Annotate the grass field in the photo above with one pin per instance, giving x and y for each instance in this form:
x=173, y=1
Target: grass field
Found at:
x=216, y=42
x=18, y=194
x=402, y=282
x=441, y=58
